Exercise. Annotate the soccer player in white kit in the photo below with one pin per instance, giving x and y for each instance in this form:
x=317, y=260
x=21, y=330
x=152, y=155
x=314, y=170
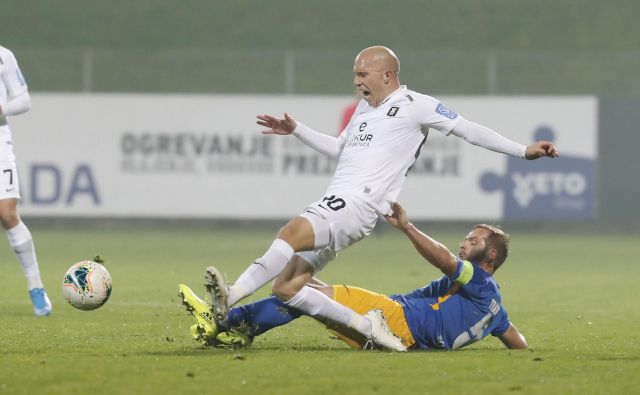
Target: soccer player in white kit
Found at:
x=375, y=152
x=14, y=100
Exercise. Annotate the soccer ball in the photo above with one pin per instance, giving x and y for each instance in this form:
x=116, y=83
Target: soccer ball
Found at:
x=86, y=285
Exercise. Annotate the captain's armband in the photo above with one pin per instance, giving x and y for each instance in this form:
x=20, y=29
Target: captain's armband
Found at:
x=466, y=272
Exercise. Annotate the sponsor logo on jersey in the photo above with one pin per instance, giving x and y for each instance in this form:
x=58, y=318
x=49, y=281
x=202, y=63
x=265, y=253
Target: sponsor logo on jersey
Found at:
x=362, y=126
x=443, y=110
x=393, y=111
x=409, y=97
x=360, y=140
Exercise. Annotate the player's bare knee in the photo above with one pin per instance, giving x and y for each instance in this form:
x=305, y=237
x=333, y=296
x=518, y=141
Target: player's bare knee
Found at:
x=286, y=233
x=284, y=290
x=298, y=233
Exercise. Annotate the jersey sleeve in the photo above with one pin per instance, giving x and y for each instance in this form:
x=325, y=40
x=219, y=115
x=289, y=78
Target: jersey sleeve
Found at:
x=11, y=75
x=323, y=143
x=431, y=113
x=503, y=324
x=18, y=100
x=482, y=136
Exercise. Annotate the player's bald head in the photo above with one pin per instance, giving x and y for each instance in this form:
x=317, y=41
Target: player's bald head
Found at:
x=376, y=74
x=380, y=58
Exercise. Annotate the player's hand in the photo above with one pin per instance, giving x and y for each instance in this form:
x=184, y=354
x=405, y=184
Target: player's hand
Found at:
x=540, y=149
x=398, y=217
x=282, y=126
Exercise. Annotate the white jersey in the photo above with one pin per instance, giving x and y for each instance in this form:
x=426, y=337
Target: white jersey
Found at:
x=380, y=144
x=14, y=99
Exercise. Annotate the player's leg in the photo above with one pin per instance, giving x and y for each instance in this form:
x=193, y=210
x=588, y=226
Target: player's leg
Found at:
x=348, y=335
x=261, y=316
x=256, y=318
x=362, y=301
x=290, y=287
x=297, y=235
x=318, y=301
x=22, y=243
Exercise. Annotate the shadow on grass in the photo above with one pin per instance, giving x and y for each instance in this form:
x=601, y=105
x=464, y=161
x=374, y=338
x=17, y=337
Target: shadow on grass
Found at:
x=212, y=351
x=338, y=348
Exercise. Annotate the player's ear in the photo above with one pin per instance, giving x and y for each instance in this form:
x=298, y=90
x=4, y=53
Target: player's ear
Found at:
x=492, y=254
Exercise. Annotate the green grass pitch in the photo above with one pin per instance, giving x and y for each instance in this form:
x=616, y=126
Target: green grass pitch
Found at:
x=574, y=297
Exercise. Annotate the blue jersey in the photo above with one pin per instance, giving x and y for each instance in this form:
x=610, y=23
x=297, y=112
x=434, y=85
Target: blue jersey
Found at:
x=455, y=311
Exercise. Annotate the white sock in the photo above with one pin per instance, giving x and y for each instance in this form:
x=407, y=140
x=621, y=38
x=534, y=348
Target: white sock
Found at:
x=22, y=244
x=318, y=305
x=261, y=271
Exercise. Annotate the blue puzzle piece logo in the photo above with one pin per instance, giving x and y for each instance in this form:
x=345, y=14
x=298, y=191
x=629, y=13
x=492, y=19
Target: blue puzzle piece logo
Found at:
x=560, y=188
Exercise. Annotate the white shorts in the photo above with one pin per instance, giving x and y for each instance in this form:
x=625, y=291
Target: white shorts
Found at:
x=9, y=185
x=349, y=219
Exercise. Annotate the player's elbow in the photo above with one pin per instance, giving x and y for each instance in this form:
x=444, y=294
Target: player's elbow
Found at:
x=18, y=105
x=523, y=343
x=446, y=262
x=26, y=106
x=332, y=152
x=27, y=103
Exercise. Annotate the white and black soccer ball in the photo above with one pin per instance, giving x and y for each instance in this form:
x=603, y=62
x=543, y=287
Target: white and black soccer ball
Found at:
x=86, y=285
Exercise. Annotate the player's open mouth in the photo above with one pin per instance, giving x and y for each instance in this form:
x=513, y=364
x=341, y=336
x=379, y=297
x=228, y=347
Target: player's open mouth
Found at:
x=365, y=94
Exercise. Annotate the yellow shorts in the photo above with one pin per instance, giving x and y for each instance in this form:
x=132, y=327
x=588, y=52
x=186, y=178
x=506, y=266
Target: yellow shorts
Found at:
x=362, y=301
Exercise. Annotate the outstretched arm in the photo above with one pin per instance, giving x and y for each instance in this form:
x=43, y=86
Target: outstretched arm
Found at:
x=513, y=339
x=433, y=251
x=487, y=138
x=323, y=143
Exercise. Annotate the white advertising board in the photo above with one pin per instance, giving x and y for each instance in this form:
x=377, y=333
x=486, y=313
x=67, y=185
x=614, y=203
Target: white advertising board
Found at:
x=203, y=156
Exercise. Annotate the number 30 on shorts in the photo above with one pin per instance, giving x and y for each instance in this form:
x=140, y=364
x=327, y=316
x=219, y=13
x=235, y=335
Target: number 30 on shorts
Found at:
x=334, y=203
